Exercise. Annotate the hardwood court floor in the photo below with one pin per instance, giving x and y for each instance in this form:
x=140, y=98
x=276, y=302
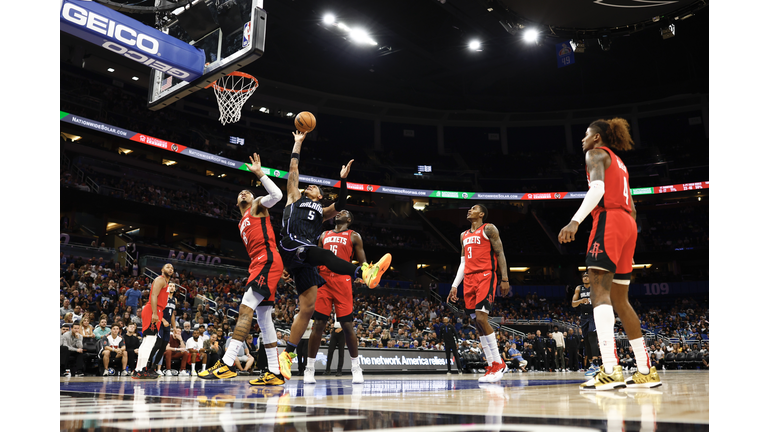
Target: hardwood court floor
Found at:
x=426, y=402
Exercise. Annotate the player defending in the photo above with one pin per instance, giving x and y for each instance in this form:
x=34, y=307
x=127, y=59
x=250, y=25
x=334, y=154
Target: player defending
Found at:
x=168, y=325
x=303, y=219
x=151, y=327
x=482, y=256
x=337, y=291
x=265, y=271
x=609, y=252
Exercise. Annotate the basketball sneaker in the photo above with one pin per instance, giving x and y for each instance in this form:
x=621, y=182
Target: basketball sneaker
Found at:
x=372, y=273
x=285, y=360
x=309, y=375
x=221, y=372
x=592, y=371
x=106, y=372
x=357, y=375
x=497, y=373
x=488, y=372
x=603, y=381
x=268, y=379
x=638, y=380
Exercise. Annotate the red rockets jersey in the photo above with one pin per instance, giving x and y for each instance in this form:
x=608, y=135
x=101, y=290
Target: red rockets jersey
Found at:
x=259, y=240
x=340, y=243
x=478, y=252
x=617, y=194
x=162, y=297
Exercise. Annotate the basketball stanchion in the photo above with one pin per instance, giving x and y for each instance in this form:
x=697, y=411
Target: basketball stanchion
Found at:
x=231, y=93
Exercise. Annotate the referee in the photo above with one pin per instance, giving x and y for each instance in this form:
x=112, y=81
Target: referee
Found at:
x=448, y=336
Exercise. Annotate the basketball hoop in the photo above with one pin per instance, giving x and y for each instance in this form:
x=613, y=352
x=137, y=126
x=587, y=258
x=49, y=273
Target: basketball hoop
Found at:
x=231, y=93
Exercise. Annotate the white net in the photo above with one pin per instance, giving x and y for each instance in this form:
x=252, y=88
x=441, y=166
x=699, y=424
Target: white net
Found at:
x=231, y=93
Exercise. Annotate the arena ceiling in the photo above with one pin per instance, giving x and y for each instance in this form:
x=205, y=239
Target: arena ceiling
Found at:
x=422, y=57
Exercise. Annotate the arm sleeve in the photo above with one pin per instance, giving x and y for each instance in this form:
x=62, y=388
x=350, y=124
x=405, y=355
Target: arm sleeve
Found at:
x=275, y=194
x=595, y=193
x=459, y=274
x=341, y=202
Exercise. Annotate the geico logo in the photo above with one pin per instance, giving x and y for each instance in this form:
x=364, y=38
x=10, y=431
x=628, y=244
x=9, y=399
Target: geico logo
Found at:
x=85, y=18
x=141, y=58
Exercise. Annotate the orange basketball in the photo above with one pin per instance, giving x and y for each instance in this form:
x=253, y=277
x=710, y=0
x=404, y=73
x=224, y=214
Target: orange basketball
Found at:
x=305, y=121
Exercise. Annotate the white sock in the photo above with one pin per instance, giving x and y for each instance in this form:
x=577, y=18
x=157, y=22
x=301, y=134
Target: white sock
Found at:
x=641, y=355
x=310, y=363
x=191, y=368
x=272, y=364
x=231, y=355
x=144, y=350
x=355, y=361
x=486, y=350
x=604, y=321
x=491, y=338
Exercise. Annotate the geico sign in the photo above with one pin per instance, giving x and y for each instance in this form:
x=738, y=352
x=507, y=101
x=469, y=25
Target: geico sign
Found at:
x=127, y=37
x=99, y=24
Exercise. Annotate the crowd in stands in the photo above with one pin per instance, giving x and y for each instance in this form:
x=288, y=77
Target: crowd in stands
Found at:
x=98, y=295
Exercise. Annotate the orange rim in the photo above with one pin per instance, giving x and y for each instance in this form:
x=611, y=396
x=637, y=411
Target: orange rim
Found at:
x=235, y=73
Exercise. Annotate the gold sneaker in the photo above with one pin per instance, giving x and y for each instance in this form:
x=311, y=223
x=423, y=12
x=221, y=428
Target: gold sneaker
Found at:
x=268, y=379
x=222, y=372
x=209, y=371
x=638, y=380
x=603, y=381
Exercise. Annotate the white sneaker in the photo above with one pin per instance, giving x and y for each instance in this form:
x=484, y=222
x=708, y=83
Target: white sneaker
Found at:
x=309, y=375
x=357, y=375
x=106, y=373
x=194, y=372
x=184, y=373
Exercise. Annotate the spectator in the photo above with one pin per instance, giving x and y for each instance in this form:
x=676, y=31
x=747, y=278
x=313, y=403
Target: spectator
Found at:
x=176, y=349
x=187, y=331
x=101, y=330
x=253, y=348
x=132, y=297
x=65, y=308
x=196, y=352
x=71, y=352
x=86, y=329
x=67, y=319
x=113, y=346
x=280, y=341
x=243, y=356
x=212, y=349
x=132, y=343
x=557, y=335
x=517, y=356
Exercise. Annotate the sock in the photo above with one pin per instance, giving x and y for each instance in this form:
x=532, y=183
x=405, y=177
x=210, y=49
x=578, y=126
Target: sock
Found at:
x=231, y=354
x=486, y=350
x=272, y=364
x=289, y=348
x=604, y=321
x=641, y=355
x=355, y=362
x=357, y=273
x=144, y=349
x=192, y=367
x=491, y=338
x=310, y=362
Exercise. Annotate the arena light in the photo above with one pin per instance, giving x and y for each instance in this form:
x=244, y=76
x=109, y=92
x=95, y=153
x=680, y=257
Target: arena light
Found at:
x=361, y=36
x=110, y=69
x=531, y=35
x=329, y=19
x=474, y=45
x=519, y=269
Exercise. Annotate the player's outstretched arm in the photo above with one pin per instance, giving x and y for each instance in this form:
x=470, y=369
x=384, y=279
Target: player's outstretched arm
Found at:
x=452, y=296
x=293, y=170
x=493, y=235
x=274, y=192
x=341, y=202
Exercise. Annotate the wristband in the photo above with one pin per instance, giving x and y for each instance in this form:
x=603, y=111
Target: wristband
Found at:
x=295, y=156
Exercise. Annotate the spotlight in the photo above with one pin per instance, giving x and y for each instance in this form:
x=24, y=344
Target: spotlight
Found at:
x=577, y=45
x=329, y=19
x=474, y=45
x=531, y=35
x=668, y=31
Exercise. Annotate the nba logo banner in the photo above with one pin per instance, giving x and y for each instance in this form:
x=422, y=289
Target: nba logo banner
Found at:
x=246, y=34
x=565, y=55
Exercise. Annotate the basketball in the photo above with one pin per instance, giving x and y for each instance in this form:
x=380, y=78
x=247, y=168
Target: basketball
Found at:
x=305, y=121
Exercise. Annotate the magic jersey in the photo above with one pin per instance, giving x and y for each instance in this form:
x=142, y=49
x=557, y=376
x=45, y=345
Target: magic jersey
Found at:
x=584, y=293
x=617, y=194
x=478, y=252
x=170, y=308
x=259, y=240
x=303, y=221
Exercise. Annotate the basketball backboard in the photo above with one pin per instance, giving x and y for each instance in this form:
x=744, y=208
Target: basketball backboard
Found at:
x=231, y=34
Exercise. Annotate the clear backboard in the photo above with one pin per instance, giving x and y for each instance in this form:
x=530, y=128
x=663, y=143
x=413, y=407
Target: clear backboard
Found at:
x=231, y=34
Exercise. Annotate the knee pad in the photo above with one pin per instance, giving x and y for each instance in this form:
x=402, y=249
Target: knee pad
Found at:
x=264, y=318
x=252, y=299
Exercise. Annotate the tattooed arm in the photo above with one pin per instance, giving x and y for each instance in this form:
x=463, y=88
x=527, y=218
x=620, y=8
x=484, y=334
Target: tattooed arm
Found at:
x=493, y=235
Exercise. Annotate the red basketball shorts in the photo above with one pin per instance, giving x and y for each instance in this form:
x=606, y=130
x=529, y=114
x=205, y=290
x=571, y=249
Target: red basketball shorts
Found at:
x=336, y=291
x=146, y=317
x=479, y=291
x=263, y=279
x=612, y=243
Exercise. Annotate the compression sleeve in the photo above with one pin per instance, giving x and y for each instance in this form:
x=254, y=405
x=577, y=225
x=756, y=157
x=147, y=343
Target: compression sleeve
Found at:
x=595, y=193
x=275, y=194
x=341, y=201
x=459, y=274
